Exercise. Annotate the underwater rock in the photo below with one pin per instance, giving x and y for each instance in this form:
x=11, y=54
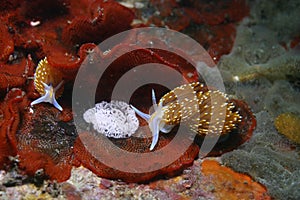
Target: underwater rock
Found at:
x=208, y=179
x=259, y=51
x=278, y=17
x=265, y=170
x=288, y=124
x=286, y=66
x=253, y=92
x=227, y=183
x=277, y=96
x=282, y=97
x=269, y=158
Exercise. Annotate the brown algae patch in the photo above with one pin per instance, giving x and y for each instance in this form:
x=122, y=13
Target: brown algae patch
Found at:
x=288, y=124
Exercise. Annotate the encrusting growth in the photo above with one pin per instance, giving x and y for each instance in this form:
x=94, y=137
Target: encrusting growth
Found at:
x=115, y=119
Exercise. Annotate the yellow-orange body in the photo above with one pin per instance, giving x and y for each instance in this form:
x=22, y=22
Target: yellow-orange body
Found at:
x=204, y=111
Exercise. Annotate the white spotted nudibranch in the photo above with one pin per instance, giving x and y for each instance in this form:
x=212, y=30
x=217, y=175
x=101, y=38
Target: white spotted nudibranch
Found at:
x=48, y=82
x=192, y=104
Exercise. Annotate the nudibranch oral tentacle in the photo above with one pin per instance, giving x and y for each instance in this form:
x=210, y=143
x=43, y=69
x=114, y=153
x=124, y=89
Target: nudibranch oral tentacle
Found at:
x=155, y=120
x=145, y=116
x=154, y=123
x=48, y=82
x=192, y=104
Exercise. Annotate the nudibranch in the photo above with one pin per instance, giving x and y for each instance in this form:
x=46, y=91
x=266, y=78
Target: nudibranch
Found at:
x=192, y=104
x=48, y=82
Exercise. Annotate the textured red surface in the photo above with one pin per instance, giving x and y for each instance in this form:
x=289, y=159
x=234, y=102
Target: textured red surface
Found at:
x=214, y=21
x=136, y=145
x=6, y=43
x=103, y=21
x=62, y=27
x=10, y=108
x=16, y=74
x=67, y=31
x=44, y=141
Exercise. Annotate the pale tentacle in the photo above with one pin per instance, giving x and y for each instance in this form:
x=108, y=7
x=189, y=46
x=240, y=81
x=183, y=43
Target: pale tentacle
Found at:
x=40, y=100
x=54, y=102
x=141, y=114
x=47, y=88
x=155, y=132
x=154, y=102
x=58, y=86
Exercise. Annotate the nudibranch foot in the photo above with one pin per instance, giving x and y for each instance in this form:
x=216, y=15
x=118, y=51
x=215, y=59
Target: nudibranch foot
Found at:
x=155, y=121
x=155, y=135
x=49, y=96
x=154, y=128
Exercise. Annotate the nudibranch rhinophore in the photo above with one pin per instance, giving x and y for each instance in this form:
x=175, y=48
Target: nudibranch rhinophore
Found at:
x=48, y=82
x=192, y=104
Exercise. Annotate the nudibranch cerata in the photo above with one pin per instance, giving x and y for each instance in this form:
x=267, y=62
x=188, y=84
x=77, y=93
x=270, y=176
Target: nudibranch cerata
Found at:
x=191, y=104
x=48, y=82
